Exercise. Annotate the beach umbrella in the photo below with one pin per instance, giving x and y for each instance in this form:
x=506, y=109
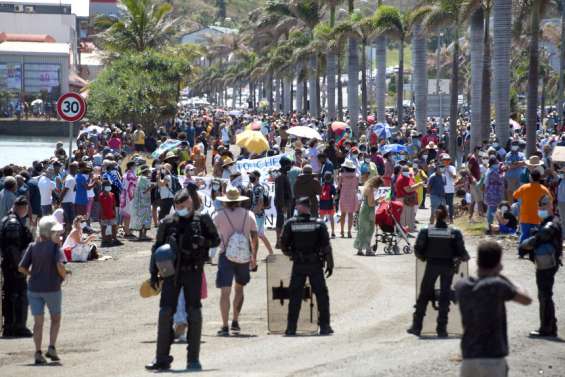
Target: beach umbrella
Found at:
x=371, y=119
x=394, y=148
x=36, y=102
x=339, y=126
x=306, y=132
x=235, y=113
x=382, y=130
x=253, y=141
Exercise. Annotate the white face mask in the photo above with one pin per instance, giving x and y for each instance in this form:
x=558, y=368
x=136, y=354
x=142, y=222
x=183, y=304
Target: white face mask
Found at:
x=425, y=156
x=514, y=148
x=83, y=225
x=108, y=188
x=406, y=174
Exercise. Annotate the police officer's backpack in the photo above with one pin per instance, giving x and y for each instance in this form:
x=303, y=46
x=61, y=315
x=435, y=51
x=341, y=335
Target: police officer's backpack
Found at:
x=165, y=260
x=189, y=242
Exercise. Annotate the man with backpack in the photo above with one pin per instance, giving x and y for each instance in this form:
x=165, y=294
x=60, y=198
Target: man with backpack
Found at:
x=178, y=256
x=238, y=254
x=260, y=200
x=168, y=186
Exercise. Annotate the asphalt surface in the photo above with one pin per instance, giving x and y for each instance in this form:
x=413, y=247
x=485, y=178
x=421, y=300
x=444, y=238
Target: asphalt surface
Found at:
x=108, y=330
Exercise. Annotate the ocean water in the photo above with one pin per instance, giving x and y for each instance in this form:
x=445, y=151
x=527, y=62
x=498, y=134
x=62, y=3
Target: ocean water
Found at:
x=23, y=150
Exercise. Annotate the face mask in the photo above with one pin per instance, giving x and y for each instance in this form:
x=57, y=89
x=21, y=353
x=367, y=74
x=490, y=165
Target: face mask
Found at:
x=503, y=209
x=543, y=213
x=425, y=156
x=406, y=174
x=183, y=212
x=108, y=188
x=514, y=148
x=83, y=225
x=215, y=187
x=442, y=170
x=367, y=160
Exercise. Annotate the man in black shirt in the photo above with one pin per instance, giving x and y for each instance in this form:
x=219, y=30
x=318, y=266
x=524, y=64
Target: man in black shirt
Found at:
x=483, y=312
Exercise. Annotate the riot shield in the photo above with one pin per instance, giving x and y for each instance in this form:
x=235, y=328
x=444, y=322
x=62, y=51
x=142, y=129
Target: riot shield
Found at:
x=454, y=326
x=278, y=294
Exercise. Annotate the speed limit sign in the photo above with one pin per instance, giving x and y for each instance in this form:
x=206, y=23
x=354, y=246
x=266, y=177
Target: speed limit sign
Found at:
x=71, y=107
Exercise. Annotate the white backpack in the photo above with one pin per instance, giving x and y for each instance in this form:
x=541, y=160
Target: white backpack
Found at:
x=238, y=248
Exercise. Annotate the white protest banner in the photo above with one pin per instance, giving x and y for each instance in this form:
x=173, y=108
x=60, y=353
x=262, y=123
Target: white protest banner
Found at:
x=263, y=165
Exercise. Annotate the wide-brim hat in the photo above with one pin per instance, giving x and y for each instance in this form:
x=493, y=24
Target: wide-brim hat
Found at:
x=431, y=145
x=534, y=161
x=146, y=290
x=348, y=164
x=170, y=155
x=232, y=195
x=227, y=162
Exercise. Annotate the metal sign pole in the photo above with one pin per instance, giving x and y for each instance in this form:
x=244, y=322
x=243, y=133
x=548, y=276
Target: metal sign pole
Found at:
x=71, y=124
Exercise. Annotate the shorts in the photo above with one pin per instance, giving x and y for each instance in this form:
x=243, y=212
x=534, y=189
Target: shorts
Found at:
x=38, y=300
x=476, y=193
x=435, y=202
x=228, y=270
x=483, y=367
x=327, y=212
x=69, y=212
x=260, y=219
x=505, y=229
x=109, y=222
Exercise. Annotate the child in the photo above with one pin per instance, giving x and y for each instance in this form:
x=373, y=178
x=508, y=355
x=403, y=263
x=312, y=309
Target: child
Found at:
x=108, y=216
x=507, y=222
x=327, y=199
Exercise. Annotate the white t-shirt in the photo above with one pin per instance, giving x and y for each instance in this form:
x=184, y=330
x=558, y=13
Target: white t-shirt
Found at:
x=449, y=181
x=59, y=215
x=70, y=184
x=46, y=187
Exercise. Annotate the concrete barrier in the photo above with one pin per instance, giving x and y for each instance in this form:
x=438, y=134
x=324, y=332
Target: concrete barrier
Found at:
x=55, y=128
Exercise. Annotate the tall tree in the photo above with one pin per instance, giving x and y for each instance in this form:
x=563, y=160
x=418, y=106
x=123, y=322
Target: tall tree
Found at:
x=381, y=47
x=331, y=64
x=477, y=64
x=502, y=36
x=143, y=25
x=353, y=79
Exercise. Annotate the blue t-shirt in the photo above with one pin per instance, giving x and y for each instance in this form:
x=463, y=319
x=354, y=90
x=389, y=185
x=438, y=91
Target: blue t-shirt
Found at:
x=511, y=158
x=81, y=184
x=437, y=185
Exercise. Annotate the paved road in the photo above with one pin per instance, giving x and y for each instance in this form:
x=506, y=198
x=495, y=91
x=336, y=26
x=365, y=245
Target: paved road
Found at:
x=108, y=330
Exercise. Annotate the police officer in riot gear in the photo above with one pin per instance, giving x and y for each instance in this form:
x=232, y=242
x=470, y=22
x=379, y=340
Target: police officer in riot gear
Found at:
x=443, y=248
x=307, y=242
x=545, y=249
x=190, y=234
x=14, y=240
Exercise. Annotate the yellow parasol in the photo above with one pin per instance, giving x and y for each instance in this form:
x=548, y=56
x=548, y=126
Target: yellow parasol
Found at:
x=253, y=141
x=254, y=126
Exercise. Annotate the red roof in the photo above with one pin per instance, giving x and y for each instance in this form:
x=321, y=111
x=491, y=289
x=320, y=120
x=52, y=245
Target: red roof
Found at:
x=9, y=37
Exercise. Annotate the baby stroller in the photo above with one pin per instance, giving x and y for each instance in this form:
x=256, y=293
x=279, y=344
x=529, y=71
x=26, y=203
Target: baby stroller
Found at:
x=387, y=218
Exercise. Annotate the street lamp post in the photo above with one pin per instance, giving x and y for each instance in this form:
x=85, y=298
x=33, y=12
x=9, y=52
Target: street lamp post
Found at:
x=437, y=74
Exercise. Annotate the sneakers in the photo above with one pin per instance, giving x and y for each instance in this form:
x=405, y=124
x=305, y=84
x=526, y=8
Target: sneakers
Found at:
x=157, y=365
x=235, y=327
x=52, y=354
x=194, y=366
x=543, y=334
x=39, y=359
x=224, y=331
x=326, y=330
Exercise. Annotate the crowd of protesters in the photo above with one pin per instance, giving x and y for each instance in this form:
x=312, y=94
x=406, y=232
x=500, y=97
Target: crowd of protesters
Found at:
x=114, y=179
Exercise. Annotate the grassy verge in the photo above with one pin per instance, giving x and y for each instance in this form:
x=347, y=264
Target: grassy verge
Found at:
x=468, y=228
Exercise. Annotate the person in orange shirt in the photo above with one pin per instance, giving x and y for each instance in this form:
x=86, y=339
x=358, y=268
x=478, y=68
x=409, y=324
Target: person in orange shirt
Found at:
x=530, y=195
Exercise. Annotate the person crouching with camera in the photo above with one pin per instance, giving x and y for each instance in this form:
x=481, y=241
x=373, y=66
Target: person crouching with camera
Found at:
x=178, y=255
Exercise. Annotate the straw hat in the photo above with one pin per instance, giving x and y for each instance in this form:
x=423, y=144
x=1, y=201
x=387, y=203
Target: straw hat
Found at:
x=534, y=161
x=169, y=155
x=348, y=164
x=232, y=195
x=431, y=145
x=227, y=162
x=146, y=290
x=445, y=157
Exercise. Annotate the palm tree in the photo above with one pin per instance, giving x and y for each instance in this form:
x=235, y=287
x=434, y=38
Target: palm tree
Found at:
x=477, y=55
x=561, y=90
x=143, y=24
x=487, y=76
x=502, y=28
x=392, y=22
x=353, y=79
x=448, y=14
x=532, y=12
x=331, y=64
x=380, y=47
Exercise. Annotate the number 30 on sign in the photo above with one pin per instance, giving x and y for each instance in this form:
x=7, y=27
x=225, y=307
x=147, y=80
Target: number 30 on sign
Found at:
x=71, y=107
